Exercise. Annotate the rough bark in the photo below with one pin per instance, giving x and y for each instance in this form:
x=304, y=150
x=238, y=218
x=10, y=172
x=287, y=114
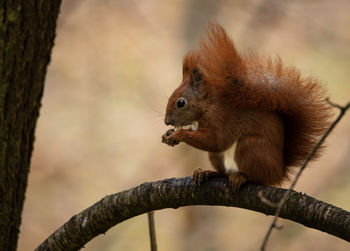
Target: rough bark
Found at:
x=27, y=31
x=174, y=193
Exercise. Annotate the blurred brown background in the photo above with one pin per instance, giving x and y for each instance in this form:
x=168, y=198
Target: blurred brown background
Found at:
x=112, y=69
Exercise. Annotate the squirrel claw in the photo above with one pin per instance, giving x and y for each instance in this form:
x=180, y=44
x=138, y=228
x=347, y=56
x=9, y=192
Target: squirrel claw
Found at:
x=169, y=132
x=200, y=176
x=236, y=180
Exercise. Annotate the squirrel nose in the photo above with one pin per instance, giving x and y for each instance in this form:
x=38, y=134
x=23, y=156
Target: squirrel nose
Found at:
x=167, y=120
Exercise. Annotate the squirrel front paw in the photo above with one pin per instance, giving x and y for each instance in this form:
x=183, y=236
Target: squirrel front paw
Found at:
x=169, y=139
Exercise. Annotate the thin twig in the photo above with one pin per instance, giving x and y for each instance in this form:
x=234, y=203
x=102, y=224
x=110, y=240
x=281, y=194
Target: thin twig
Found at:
x=266, y=201
x=152, y=231
x=287, y=193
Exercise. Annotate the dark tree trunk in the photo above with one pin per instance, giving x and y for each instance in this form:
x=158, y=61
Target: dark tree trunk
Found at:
x=27, y=31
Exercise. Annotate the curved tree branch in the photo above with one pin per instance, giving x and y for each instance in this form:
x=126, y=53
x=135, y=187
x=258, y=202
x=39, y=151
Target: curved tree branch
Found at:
x=174, y=193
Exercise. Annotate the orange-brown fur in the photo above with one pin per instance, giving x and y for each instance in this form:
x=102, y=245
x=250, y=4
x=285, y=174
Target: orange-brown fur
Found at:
x=275, y=115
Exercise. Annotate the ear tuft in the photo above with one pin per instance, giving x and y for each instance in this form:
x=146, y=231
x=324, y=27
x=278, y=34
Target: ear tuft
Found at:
x=197, y=76
x=197, y=81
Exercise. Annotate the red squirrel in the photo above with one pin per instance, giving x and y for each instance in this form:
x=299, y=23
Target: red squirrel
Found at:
x=274, y=115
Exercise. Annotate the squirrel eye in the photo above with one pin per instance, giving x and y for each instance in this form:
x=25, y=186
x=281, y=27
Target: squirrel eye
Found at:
x=180, y=103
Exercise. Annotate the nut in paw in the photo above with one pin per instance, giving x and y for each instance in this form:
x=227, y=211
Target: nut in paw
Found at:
x=169, y=139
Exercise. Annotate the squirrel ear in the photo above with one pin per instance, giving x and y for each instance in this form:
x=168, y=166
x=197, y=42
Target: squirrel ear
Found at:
x=197, y=81
x=197, y=76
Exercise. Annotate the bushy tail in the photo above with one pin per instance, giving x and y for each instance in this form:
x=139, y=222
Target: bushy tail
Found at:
x=263, y=83
x=300, y=101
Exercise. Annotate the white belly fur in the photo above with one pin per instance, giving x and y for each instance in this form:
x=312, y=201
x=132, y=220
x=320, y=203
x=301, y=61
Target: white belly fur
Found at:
x=230, y=163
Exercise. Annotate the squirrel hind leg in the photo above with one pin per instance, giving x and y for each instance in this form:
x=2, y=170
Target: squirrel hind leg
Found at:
x=236, y=179
x=260, y=161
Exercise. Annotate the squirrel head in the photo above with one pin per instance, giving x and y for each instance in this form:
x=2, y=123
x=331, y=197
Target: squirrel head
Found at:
x=214, y=70
x=185, y=106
